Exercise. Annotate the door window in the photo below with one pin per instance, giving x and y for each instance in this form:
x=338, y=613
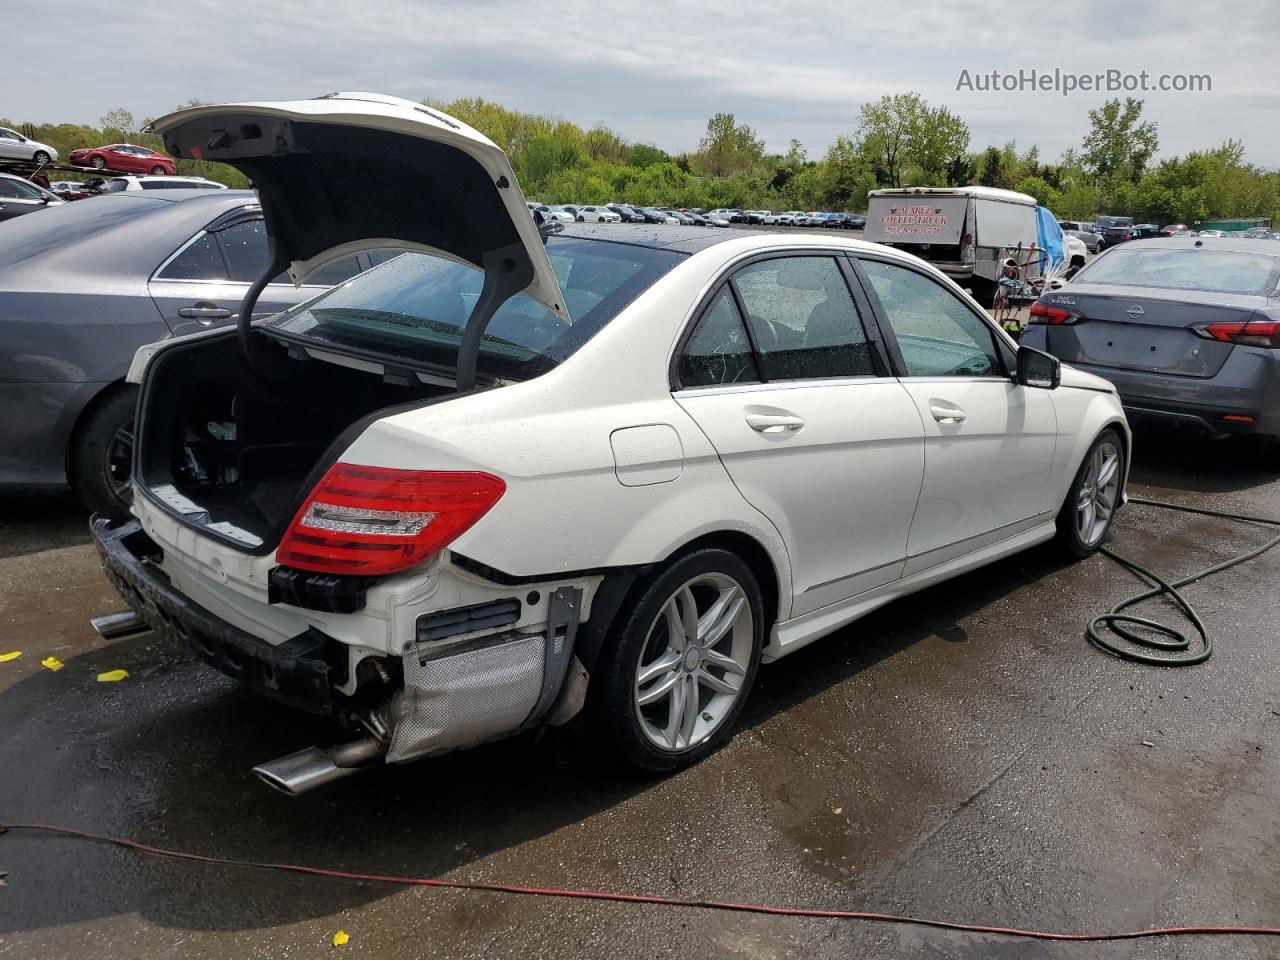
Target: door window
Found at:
x=199, y=261
x=803, y=319
x=937, y=334
x=718, y=352
x=17, y=190
x=245, y=246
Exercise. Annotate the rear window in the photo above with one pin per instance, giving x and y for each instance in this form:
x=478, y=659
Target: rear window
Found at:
x=1213, y=271
x=413, y=308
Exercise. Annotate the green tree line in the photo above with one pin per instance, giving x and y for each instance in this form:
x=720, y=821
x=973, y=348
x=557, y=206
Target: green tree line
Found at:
x=898, y=140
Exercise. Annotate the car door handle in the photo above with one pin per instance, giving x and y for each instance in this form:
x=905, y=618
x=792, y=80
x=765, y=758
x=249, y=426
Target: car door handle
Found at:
x=774, y=422
x=205, y=313
x=945, y=412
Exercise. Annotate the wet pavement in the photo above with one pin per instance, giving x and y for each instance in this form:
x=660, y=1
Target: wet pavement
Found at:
x=963, y=754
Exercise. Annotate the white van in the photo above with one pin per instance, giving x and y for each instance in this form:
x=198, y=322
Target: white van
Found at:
x=960, y=230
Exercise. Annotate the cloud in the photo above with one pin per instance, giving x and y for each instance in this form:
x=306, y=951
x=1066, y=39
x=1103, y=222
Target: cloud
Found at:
x=655, y=71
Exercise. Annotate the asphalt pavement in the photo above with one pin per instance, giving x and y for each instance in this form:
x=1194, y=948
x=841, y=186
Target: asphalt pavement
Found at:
x=963, y=754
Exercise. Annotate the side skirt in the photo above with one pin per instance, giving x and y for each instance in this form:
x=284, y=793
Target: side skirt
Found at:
x=798, y=632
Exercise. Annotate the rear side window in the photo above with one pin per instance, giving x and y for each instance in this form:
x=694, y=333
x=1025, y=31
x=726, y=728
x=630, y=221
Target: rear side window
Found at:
x=1214, y=271
x=199, y=261
x=719, y=351
x=803, y=319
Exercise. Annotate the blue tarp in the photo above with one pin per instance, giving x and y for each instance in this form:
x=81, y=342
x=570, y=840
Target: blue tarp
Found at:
x=1050, y=235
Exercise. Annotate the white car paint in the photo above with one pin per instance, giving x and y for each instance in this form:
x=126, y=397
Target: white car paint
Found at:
x=858, y=490
x=592, y=213
x=131, y=183
x=15, y=146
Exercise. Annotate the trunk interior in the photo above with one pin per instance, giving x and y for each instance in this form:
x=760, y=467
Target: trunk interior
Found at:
x=234, y=454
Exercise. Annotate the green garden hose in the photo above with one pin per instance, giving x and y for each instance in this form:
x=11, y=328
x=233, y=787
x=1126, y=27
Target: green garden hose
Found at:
x=1119, y=622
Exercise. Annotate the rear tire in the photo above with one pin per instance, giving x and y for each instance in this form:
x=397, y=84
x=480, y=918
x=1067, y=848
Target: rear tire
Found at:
x=1090, y=507
x=101, y=462
x=686, y=653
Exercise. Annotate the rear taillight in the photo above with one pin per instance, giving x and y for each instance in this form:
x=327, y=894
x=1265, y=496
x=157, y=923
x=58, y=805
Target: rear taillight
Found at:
x=376, y=520
x=1044, y=313
x=1251, y=333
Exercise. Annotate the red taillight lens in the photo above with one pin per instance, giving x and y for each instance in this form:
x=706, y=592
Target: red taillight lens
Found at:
x=1252, y=333
x=376, y=520
x=1043, y=313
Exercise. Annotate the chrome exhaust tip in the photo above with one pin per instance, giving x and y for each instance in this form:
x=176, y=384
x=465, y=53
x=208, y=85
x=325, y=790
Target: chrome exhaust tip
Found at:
x=122, y=624
x=314, y=767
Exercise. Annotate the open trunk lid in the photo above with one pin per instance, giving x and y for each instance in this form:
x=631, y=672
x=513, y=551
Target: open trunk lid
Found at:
x=1135, y=328
x=350, y=172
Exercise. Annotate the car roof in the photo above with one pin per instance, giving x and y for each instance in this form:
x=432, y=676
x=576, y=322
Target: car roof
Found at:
x=1228, y=243
x=71, y=246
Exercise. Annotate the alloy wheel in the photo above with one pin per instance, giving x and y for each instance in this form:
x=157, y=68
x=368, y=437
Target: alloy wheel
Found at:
x=119, y=461
x=1097, y=498
x=692, y=667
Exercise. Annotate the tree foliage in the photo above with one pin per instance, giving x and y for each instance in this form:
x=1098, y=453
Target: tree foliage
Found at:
x=900, y=140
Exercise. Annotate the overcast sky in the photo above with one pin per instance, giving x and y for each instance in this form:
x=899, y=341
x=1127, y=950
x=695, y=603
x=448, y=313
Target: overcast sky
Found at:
x=655, y=71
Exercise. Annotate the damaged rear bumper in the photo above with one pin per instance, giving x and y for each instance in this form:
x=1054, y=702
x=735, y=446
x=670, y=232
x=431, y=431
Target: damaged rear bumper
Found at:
x=300, y=672
x=453, y=695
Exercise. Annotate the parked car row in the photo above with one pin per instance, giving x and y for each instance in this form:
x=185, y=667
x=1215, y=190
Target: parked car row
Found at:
x=1108, y=231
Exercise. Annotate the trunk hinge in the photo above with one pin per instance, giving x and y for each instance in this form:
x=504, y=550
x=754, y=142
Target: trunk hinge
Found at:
x=507, y=271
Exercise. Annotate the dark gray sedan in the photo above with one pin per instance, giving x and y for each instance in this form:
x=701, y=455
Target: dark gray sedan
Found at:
x=82, y=286
x=1188, y=329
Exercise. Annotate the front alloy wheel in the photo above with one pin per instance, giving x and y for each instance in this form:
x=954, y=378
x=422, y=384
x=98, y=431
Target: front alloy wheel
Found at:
x=1094, y=496
x=1096, y=500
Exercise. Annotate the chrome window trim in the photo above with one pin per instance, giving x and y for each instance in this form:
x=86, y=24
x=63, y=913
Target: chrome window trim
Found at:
x=156, y=278
x=719, y=388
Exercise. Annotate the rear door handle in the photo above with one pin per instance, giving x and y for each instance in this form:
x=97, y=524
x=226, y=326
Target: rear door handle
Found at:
x=204, y=313
x=774, y=422
x=945, y=412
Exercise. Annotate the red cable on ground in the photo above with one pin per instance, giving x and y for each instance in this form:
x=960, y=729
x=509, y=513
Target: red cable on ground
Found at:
x=645, y=898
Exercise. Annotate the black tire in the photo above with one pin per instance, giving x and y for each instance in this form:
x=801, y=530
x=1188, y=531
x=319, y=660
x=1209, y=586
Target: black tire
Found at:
x=98, y=163
x=41, y=156
x=613, y=697
x=157, y=171
x=99, y=467
x=582, y=219
x=1069, y=536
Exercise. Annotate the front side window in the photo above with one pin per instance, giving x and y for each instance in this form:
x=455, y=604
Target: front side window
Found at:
x=414, y=308
x=803, y=319
x=938, y=336
x=719, y=351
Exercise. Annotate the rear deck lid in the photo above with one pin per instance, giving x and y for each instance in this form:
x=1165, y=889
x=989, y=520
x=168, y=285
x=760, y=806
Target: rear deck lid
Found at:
x=1138, y=307
x=350, y=172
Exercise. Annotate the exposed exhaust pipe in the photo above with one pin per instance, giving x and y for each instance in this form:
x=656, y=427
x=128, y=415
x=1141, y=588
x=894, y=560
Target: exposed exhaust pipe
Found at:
x=122, y=624
x=313, y=767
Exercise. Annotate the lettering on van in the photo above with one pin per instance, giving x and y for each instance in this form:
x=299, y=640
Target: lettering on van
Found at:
x=927, y=221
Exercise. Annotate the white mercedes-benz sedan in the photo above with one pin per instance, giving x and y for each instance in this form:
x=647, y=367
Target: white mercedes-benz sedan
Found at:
x=504, y=478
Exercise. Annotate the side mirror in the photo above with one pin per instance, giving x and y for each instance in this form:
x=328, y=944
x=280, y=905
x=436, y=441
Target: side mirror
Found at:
x=1038, y=369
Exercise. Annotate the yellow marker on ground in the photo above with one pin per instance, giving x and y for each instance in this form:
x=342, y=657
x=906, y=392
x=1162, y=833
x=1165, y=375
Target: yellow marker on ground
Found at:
x=13, y=655
x=340, y=938
x=111, y=676
x=53, y=663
